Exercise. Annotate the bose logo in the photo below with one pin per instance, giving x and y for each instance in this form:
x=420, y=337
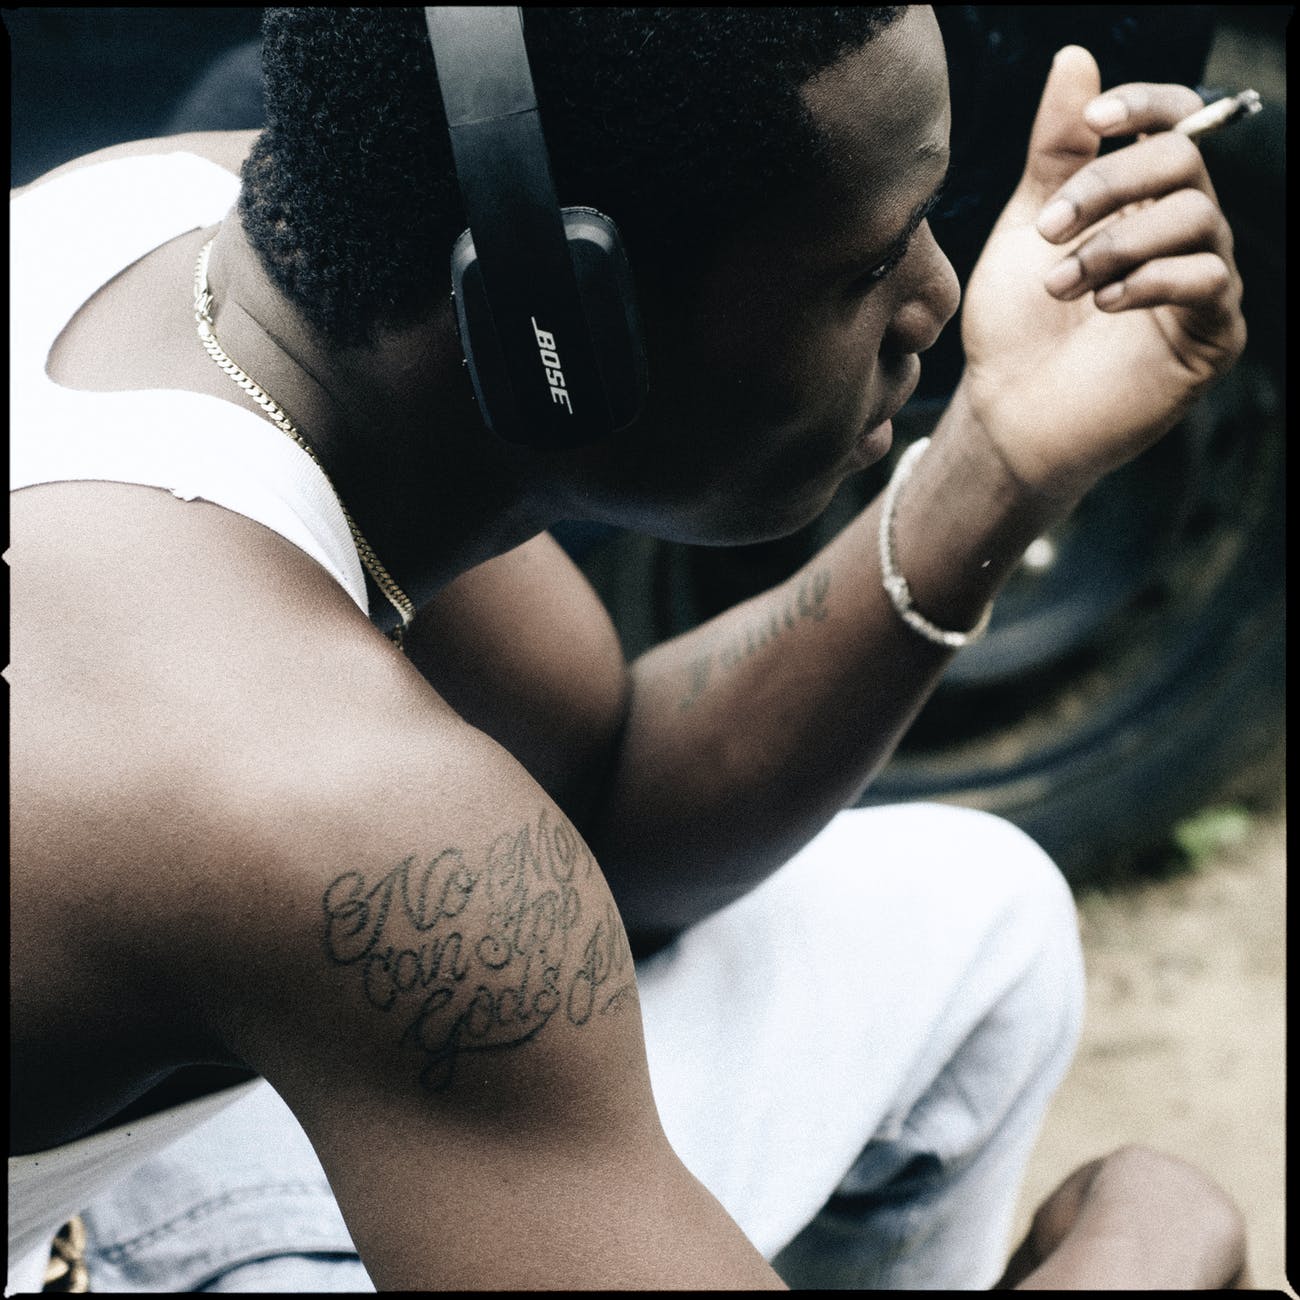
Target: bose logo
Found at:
x=551, y=362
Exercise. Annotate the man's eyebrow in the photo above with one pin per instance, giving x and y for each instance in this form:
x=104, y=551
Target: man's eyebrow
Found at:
x=920, y=212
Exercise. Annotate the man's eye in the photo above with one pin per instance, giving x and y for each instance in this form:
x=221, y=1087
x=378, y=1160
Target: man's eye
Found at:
x=883, y=271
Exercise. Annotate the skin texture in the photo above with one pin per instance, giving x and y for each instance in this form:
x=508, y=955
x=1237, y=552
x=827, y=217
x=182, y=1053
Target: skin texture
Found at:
x=248, y=831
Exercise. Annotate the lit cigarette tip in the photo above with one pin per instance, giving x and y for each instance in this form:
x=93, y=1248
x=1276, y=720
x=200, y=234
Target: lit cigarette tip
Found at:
x=1230, y=109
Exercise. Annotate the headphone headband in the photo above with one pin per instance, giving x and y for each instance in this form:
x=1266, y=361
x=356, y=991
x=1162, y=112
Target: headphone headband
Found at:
x=533, y=284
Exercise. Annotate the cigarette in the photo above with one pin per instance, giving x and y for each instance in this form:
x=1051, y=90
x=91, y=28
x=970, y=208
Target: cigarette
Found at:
x=1220, y=113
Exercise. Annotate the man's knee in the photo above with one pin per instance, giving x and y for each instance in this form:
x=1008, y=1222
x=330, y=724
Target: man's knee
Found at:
x=996, y=913
x=1037, y=917
x=997, y=854
x=1006, y=1036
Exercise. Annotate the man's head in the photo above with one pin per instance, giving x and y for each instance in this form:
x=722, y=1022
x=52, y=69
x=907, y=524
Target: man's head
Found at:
x=756, y=160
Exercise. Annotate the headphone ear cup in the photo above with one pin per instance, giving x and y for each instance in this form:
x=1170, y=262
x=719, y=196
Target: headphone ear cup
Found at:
x=608, y=294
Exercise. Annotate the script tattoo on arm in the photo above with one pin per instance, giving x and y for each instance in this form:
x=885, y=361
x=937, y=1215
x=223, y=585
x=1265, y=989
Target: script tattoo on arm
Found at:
x=806, y=603
x=454, y=987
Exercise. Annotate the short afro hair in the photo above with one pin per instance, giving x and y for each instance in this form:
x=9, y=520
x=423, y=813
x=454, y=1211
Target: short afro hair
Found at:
x=675, y=122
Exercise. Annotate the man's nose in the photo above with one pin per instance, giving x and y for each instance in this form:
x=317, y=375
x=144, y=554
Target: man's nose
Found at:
x=933, y=300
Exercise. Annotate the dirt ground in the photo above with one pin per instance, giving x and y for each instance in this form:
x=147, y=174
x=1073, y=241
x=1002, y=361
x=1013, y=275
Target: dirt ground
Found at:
x=1183, y=1044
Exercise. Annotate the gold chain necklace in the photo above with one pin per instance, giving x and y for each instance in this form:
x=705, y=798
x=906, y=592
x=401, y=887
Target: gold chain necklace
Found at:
x=203, y=318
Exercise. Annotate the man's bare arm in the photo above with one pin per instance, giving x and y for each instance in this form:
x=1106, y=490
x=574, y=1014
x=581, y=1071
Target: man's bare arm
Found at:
x=426, y=963
x=1061, y=387
x=746, y=735
x=706, y=763
x=279, y=847
x=743, y=738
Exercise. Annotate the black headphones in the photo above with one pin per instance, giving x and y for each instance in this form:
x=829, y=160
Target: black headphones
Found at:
x=544, y=296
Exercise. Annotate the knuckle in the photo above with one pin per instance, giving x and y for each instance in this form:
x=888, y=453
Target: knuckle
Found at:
x=1101, y=253
x=1217, y=274
x=1134, y=1156
x=1201, y=212
x=1089, y=191
x=1138, y=98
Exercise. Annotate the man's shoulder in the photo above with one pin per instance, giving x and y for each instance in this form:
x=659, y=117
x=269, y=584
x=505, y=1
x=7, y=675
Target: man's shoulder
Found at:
x=189, y=658
x=201, y=745
x=196, y=646
x=204, y=703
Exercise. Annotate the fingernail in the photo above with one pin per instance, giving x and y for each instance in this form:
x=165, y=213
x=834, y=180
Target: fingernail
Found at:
x=1056, y=58
x=1063, y=276
x=1110, y=295
x=1106, y=112
x=1056, y=218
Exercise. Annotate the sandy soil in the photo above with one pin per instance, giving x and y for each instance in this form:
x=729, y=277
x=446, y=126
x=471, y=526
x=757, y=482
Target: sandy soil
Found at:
x=1184, y=1042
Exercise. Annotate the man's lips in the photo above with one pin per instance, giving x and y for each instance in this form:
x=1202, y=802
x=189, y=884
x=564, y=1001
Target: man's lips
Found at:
x=895, y=405
x=877, y=437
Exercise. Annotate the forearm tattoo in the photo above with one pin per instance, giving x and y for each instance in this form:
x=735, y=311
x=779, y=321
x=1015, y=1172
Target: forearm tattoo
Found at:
x=806, y=603
x=477, y=954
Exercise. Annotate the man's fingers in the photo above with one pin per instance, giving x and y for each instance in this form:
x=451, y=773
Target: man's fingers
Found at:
x=1061, y=141
x=1203, y=281
x=1187, y=221
x=1140, y=106
x=1148, y=169
x=1204, y=294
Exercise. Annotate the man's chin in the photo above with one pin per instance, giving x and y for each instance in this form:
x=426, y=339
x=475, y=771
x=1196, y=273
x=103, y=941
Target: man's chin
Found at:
x=764, y=519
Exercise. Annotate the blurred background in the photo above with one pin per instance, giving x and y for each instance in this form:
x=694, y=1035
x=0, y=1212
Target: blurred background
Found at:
x=1127, y=706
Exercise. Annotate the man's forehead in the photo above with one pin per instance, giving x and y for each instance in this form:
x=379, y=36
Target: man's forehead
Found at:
x=883, y=109
x=883, y=113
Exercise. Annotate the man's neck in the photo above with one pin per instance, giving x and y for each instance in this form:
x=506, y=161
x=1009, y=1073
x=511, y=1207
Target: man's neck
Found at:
x=395, y=427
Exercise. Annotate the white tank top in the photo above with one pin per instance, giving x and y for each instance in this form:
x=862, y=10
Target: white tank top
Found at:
x=69, y=237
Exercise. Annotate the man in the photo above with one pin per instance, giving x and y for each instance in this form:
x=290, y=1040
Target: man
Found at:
x=250, y=834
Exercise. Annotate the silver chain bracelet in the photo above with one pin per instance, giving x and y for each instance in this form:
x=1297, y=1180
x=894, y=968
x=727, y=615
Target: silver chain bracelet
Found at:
x=895, y=584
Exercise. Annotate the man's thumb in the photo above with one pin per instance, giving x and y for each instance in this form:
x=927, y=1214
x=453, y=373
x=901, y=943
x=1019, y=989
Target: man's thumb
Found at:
x=1061, y=141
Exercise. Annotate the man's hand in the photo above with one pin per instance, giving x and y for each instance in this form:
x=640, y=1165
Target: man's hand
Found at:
x=1134, y=1220
x=1070, y=381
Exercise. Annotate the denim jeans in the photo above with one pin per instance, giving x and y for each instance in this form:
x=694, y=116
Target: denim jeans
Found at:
x=855, y=1059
